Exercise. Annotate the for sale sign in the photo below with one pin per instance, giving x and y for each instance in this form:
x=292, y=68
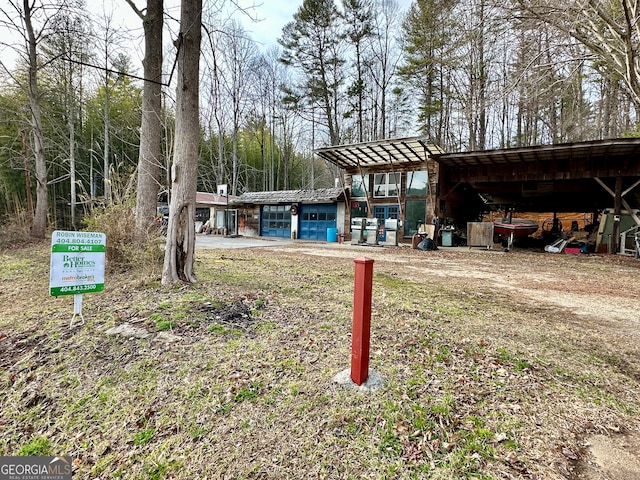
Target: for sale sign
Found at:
x=77, y=262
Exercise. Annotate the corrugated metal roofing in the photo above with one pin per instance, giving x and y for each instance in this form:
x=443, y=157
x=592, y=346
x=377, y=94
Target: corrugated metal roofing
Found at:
x=417, y=149
x=619, y=147
x=379, y=153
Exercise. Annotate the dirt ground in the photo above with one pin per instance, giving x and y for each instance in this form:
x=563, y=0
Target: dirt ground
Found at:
x=605, y=298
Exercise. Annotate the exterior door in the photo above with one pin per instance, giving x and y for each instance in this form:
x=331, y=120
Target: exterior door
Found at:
x=315, y=219
x=227, y=220
x=382, y=212
x=276, y=221
x=232, y=222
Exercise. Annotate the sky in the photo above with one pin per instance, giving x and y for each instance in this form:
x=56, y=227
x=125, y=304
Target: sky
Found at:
x=275, y=14
x=272, y=15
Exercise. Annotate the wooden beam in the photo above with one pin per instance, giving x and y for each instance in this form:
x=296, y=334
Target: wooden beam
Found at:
x=617, y=210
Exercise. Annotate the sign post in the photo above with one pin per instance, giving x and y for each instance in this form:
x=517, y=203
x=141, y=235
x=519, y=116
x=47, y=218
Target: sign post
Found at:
x=77, y=266
x=222, y=191
x=361, y=325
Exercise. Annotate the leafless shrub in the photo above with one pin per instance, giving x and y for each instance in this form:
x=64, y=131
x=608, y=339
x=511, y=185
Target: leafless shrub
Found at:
x=123, y=251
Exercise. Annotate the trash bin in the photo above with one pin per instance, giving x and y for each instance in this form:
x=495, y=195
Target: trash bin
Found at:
x=447, y=238
x=332, y=234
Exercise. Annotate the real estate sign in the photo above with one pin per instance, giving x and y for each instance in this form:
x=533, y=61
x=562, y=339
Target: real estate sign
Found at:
x=77, y=262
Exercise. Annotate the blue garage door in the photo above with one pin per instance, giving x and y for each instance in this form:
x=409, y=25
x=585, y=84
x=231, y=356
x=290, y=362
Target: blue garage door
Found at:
x=276, y=221
x=315, y=219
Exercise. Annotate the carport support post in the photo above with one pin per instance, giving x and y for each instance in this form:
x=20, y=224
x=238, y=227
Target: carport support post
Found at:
x=361, y=325
x=617, y=210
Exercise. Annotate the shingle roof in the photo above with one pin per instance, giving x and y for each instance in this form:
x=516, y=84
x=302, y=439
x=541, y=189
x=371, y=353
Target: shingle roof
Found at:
x=320, y=195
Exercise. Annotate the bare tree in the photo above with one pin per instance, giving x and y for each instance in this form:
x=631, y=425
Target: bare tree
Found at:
x=382, y=67
x=609, y=29
x=180, y=246
x=150, y=153
x=216, y=111
x=69, y=42
x=31, y=22
x=238, y=54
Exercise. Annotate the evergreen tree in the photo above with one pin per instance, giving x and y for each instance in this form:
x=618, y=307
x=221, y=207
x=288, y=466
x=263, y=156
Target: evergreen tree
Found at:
x=427, y=33
x=313, y=44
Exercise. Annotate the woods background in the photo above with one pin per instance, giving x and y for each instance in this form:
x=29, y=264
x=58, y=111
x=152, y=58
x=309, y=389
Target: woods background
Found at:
x=469, y=74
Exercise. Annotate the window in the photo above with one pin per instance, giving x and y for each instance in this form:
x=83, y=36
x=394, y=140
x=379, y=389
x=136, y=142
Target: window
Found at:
x=386, y=184
x=417, y=183
x=202, y=214
x=359, y=185
x=358, y=209
x=415, y=215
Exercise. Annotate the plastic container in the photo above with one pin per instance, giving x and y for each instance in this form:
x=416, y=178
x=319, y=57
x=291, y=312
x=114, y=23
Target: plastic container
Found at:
x=447, y=238
x=332, y=234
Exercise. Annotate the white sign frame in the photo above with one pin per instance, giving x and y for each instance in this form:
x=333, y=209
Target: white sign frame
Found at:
x=77, y=265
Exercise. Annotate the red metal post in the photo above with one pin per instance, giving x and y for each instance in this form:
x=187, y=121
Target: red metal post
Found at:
x=361, y=325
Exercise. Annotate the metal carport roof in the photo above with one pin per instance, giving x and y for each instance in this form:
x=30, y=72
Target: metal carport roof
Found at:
x=410, y=150
x=568, y=177
x=584, y=151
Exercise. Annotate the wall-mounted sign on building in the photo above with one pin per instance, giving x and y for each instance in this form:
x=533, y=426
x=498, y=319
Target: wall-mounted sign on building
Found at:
x=77, y=265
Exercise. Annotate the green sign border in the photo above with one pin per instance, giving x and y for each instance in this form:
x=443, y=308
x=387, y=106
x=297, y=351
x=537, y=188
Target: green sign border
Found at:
x=78, y=248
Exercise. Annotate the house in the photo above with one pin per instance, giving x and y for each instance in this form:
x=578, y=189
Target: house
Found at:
x=215, y=208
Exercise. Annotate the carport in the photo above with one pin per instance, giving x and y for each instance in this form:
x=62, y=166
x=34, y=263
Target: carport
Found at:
x=573, y=177
x=393, y=182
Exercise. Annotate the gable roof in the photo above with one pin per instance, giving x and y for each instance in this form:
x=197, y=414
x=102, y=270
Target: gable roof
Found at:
x=321, y=195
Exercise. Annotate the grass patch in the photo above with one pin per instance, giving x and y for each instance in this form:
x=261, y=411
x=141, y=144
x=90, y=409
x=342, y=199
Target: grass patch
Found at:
x=37, y=447
x=143, y=437
x=165, y=325
x=478, y=384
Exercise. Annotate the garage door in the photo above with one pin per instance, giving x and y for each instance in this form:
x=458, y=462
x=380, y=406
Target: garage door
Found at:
x=315, y=219
x=276, y=221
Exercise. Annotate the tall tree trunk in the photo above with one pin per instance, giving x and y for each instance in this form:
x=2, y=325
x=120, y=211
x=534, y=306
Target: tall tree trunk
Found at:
x=181, y=239
x=72, y=157
x=27, y=175
x=234, y=158
x=106, y=169
x=150, y=153
x=39, y=225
